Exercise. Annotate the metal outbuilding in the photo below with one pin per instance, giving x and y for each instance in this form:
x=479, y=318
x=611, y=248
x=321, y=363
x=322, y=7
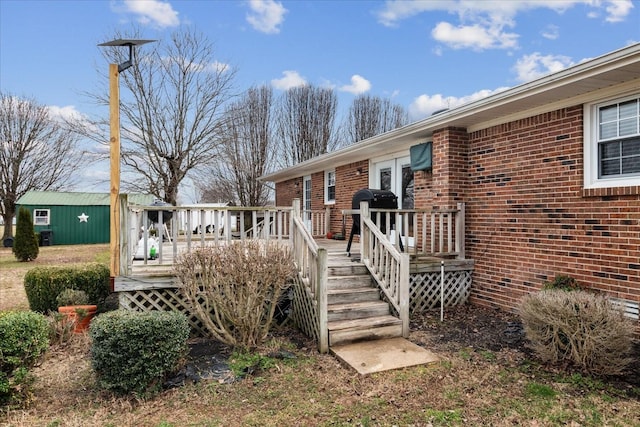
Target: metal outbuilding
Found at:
x=70, y=218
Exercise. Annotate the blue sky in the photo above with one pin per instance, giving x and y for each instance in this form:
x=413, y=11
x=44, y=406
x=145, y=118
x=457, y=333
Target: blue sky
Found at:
x=423, y=55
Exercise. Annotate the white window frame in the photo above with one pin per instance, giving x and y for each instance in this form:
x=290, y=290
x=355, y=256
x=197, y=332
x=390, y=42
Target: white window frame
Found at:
x=35, y=216
x=327, y=175
x=591, y=157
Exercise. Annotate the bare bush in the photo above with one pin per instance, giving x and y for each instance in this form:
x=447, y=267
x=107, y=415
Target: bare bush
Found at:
x=234, y=289
x=578, y=328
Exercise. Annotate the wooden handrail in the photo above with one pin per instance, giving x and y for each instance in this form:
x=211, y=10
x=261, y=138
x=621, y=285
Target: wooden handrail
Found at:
x=311, y=261
x=424, y=232
x=389, y=267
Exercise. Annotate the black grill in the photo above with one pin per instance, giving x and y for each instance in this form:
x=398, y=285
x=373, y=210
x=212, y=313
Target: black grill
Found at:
x=377, y=199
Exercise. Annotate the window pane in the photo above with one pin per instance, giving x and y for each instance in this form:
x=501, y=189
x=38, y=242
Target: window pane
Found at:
x=608, y=130
x=331, y=193
x=610, y=167
x=609, y=113
x=629, y=109
x=628, y=127
x=631, y=164
x=385, y=179
x=631, y=147
x=407, y=200
x=609, y=150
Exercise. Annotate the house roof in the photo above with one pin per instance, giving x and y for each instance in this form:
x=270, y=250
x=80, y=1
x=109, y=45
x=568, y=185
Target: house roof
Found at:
x=575, y=85
x=56, y=198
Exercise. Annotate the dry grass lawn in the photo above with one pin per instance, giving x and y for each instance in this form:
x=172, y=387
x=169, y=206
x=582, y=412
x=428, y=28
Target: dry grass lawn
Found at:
x=481, y=381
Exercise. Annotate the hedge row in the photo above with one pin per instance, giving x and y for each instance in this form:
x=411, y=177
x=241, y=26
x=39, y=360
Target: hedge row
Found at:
x=44, y=284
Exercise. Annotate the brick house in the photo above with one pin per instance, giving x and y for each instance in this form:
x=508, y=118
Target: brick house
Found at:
x=549, y=172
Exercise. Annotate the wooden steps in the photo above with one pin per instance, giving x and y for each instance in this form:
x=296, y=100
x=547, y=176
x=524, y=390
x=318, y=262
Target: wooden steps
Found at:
x=355, y=310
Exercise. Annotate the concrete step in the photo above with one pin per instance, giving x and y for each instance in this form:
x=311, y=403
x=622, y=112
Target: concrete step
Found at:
x=347, y=282
x=357, y=310
x=382, y=355
x=349, y=295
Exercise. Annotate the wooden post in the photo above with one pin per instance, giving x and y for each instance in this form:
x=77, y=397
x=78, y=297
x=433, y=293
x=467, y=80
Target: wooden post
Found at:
x=460, y=226
x=114, y=144
x=404, y=293
x=323, y=314
x=364, y=236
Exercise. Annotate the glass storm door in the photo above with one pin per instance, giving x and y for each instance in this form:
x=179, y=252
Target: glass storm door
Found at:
x=306, y=201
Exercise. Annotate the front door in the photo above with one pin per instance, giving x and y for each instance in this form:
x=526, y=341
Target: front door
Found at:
x=396, y=176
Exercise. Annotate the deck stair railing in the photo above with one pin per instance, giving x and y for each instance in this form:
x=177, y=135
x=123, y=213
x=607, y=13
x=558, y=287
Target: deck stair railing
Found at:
x=388, y=266
x=311, y=263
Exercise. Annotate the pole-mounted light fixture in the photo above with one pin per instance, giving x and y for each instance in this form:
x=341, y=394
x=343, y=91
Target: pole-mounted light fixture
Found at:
x=131, y=43
x=114, y=145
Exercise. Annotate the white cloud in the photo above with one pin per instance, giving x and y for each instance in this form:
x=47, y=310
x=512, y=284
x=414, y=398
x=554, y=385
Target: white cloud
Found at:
x=154, y=12
x=290, y=79
x=617, y=10
x=535, y=65
x=481, y=24
x=266, y=15
x=68, y=113
x=358, y=85
x=551, y=32
x=425, y=105
x=474, y=37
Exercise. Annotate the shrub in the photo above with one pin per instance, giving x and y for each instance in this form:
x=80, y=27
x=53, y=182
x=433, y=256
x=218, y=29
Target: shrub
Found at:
x=133, y=352
x=562, y=282
x=72, y=296
x=234, y=289
x=23, y=340
x=578, y=328
x=44, y=284
x=25, y=244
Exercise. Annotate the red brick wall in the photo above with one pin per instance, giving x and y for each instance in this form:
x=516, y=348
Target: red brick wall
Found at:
x=529, y=219
x=348, y=181
x=286, y=191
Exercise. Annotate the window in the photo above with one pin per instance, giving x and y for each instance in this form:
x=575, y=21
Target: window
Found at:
x=612, y=143
x=330, y=187
x=41, y=217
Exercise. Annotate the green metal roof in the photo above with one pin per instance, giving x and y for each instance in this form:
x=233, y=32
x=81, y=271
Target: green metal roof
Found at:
x=55, y=198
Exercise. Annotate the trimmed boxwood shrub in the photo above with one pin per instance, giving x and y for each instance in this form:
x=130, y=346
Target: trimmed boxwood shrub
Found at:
x=133, y=352
x=24, y=338
x=44, y=284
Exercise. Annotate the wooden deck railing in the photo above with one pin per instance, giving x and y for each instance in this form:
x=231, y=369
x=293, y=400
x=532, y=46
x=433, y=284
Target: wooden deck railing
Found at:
x=387, y=265
x=190, y=227
x=430, y=232
x=311, y=262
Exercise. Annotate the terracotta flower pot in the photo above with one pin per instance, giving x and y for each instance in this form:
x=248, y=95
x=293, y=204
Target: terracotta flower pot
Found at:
x=81, y=315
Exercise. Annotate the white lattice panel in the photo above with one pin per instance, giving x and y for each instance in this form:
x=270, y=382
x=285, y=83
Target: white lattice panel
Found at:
x=167, y=299
x=424, y=289
x=304, y=310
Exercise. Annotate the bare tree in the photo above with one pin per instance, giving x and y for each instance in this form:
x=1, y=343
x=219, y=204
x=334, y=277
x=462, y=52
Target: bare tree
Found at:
x=36, y=153
x=305, y=123
x=371, y=115
x=247, y=152
x=172, y=112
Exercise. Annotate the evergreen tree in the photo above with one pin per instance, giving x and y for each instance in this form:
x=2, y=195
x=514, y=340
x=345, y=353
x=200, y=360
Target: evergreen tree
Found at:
x=25, y=245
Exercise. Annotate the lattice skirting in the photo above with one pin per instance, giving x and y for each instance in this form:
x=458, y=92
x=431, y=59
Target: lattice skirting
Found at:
x=165, y=299
x=424, y=294
x=304, y=310
x=424, y=289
